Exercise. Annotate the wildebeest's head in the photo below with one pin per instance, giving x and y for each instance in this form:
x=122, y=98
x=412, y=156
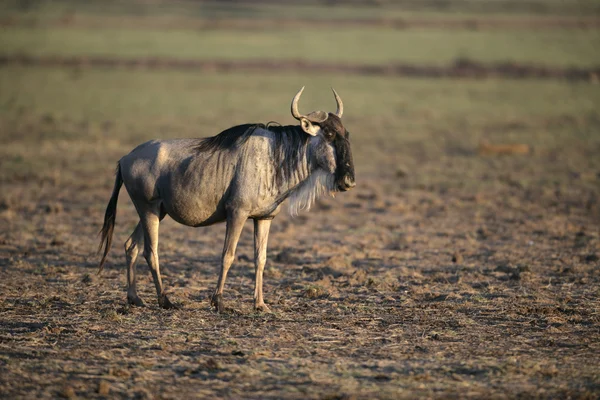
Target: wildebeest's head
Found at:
x=330, y=143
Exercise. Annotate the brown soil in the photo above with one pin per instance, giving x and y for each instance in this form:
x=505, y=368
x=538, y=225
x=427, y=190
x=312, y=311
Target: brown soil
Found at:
x=379, y=293
x=462, y=68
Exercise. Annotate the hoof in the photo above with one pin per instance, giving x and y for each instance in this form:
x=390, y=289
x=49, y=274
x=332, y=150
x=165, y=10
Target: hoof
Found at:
x=166, y=304
x=135, y=301
x=262, y=308
x=217, y=302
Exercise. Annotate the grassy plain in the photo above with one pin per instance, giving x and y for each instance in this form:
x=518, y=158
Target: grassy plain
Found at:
x=404, y=115
x=554, y=47
x=446, y=273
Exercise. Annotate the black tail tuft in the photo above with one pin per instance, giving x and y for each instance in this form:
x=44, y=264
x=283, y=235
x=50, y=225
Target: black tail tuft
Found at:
x=109, y=219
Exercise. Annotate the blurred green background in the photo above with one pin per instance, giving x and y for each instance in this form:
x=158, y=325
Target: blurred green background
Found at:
x=66, y=120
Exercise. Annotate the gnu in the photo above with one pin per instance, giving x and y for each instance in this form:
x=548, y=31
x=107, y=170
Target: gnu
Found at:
x=246, y=171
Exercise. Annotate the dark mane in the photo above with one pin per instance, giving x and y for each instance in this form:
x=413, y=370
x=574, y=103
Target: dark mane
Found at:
x=289, y=145
x=289, y=150
x=228, y=139
x=288, y=139
x=289, y=136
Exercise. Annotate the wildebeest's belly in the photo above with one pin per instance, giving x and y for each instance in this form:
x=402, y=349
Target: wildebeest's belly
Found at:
x=194, y=208
x=204, y=211
x=194, y=189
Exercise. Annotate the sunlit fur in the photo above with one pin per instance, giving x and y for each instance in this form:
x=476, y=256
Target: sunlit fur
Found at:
x=295, y=155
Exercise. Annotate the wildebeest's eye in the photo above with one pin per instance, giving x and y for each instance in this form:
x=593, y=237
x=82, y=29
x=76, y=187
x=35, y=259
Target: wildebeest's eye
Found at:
x=329, y=135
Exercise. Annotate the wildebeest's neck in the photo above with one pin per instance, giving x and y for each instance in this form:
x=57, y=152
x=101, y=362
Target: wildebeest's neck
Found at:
x=296, y=173
x=291, y=158
x=285, y=163
x=288, y=147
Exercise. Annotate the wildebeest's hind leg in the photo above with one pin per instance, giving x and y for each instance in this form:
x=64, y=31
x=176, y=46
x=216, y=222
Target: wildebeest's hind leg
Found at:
x=261, y=236
x=235, y=223
x=132, y=247
x=150, y=221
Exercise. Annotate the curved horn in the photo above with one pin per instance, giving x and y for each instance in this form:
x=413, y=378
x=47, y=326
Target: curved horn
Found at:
x=295, y=113
x=340, y=104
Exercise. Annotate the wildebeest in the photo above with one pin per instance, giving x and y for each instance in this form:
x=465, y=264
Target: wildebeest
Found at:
x=246, y=171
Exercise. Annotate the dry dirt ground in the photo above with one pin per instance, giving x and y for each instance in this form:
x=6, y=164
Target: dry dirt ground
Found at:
x=378, y=293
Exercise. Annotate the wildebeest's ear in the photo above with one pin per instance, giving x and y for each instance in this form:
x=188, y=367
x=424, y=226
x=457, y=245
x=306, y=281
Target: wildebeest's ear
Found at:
x=308, y=127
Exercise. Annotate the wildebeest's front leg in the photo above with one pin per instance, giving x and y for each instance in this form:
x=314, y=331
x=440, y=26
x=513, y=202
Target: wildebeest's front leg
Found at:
x=261, y=236
x=235, y=223
x=150, y=221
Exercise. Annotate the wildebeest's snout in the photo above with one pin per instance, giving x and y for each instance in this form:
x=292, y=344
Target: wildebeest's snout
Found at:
x=345, y=165
x=347, y=184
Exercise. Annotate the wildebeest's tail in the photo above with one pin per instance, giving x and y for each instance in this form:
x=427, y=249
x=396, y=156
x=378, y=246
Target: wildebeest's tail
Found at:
x=109, y=219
